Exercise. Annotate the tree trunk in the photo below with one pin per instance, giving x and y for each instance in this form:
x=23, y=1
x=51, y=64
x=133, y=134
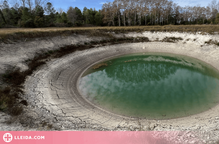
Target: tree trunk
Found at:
x=135, y=19
x=119, y=19
x=145, y=19
x=161, y=20
x=124, y=19
x=129, y=21
x=167, y=18
x=113, y=20
x=139, y=19
x=155, y=18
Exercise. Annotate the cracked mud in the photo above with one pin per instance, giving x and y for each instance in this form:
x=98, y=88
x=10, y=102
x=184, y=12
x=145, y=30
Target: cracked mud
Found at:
x=54, y=88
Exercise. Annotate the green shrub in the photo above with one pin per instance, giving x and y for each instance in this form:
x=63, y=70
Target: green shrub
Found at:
x=38, y=21
x=28, y=23
x=78, y=24
x=69, y=24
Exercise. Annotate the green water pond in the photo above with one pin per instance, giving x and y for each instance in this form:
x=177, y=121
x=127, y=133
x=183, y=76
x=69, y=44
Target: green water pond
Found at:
x=151, y=85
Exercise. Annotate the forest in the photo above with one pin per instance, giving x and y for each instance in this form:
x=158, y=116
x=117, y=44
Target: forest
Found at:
x=41, y=13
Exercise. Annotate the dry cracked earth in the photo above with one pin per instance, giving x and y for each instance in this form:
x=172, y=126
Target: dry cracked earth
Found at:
x=56, y=104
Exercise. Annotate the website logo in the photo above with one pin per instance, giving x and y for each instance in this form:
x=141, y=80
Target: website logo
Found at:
x=7, y=137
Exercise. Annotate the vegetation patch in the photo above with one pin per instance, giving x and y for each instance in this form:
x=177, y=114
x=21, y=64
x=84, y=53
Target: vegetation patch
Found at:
x=171, y=39
x=10, y=101
x=214, y=42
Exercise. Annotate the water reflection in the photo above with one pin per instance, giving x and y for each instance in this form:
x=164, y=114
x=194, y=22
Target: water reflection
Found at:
x=152, y=86
x=140, y=72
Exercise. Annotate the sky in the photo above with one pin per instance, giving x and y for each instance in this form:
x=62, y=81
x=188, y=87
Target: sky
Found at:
x=65, y=4
x=97, y=4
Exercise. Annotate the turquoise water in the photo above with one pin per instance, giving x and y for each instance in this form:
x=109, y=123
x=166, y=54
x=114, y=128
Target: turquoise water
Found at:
x=152, y=86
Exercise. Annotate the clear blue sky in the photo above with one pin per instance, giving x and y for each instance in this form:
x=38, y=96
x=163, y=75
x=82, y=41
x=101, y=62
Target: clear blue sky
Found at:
x=192, y=2
x=97, y=4
x=65, y=4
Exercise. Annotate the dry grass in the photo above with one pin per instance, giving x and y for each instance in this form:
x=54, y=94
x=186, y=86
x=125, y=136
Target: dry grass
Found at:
x=10, y=33
x=128, y=28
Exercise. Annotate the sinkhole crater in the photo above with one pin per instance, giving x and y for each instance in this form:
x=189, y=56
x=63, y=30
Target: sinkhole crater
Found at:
x=151, y=85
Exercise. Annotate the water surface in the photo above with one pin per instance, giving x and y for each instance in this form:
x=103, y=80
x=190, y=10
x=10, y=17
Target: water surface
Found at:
x=152, y=85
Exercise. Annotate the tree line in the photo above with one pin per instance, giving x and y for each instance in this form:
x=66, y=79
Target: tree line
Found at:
x=41, y=13
x=157, y=12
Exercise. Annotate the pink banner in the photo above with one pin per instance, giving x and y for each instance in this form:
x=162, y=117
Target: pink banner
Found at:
x=90, y=137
